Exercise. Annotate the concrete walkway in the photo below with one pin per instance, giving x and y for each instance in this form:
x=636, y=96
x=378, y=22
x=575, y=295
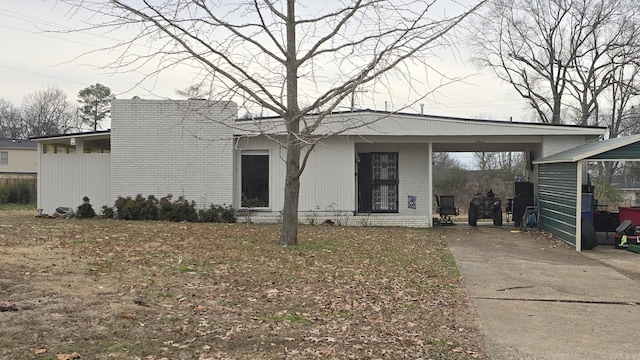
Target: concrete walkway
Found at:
x=539, y=299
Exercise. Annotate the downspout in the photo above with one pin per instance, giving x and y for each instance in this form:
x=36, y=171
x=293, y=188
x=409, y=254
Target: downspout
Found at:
x=430, y=185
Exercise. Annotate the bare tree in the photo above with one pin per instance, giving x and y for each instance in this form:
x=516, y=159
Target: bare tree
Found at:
x=606, y=41
x=285, y=58
x=485, y=160
x=194, y=91
x=47, y=112
x=623, y=117
x=558, y=54
x=525, y=43
x=11, y=123
x=443, y=160
x=510, y=162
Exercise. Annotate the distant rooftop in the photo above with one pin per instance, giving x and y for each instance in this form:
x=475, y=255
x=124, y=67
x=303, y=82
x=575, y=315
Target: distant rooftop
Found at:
x=17, y=143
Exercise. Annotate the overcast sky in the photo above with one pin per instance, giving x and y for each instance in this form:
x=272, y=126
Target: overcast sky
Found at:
x=32, y=59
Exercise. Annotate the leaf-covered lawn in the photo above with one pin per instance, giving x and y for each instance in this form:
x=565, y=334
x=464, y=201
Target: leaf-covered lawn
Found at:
x=109, y=289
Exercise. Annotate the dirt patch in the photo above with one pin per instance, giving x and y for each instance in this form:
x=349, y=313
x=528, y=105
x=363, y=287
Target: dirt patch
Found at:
x=153, y=290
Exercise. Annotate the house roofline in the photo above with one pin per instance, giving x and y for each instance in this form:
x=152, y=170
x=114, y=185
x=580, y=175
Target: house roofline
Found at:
x=64, y=136
x=438, y=117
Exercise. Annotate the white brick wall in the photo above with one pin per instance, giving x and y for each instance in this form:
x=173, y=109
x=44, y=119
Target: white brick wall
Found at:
x=182, y=148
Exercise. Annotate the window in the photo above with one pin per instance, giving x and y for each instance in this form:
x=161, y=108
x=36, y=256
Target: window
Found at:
x=4, y=158
x=255, y=179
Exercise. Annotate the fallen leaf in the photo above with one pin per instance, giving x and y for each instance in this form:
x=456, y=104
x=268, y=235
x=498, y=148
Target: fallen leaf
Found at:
x=71, y=356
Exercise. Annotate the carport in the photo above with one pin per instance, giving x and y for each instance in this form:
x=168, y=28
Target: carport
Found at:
x=561, y=177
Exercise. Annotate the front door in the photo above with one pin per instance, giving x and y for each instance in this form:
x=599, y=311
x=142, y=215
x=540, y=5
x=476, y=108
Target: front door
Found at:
x=378, y=182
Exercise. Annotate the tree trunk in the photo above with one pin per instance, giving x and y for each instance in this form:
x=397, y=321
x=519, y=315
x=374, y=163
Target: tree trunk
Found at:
x=289, y=231
x=557, y=104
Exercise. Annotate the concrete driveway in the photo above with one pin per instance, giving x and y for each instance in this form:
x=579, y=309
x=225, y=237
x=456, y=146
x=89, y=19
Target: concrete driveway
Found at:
x=536, y=298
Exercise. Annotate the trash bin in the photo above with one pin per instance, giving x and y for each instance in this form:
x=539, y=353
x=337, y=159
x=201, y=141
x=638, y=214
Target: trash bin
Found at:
x=587, y=207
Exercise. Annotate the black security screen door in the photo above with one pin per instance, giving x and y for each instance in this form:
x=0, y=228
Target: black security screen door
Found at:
x=378, y=182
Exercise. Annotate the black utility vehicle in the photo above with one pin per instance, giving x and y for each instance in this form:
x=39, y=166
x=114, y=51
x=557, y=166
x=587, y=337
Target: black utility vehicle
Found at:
x=488, y=206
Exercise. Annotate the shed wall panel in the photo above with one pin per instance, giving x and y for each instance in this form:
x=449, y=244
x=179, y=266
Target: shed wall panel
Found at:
x=64, y=179
x=557, y=194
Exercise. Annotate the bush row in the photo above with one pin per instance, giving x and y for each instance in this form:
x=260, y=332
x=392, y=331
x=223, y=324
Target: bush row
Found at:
x=17, y=191
x=165, y=208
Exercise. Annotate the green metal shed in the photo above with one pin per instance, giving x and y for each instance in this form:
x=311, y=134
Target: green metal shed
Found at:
x=560, y=180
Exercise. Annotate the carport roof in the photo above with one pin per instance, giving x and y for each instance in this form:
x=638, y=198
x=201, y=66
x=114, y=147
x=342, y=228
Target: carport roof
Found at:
x=590, y=150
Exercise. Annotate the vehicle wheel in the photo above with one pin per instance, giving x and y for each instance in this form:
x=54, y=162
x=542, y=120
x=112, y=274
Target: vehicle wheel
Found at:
x=497, y=219
x=473, y=217
x=589, y=239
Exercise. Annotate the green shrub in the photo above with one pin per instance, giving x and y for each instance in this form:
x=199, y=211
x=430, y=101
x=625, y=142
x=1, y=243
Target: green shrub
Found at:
x=122, y=207
x=85, y=211
x=218, y=213
x=137, y=208
x=119, y=206
x=167, y=209
x=149, y=210
x=228, y=214
x=108, y=212
x=212, y=214
x=179, y=210
x=127, y=209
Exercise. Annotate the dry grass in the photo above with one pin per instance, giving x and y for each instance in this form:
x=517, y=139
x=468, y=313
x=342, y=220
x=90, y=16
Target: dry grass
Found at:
x=156, y=290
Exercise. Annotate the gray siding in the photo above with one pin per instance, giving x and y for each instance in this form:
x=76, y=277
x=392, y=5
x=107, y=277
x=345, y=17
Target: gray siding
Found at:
x=64, y=179
x=327, y=183
x=556, y=144
x=181, y=148
x=557, y=200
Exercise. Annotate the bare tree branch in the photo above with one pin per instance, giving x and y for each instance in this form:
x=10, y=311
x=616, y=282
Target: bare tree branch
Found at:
x=300, y=64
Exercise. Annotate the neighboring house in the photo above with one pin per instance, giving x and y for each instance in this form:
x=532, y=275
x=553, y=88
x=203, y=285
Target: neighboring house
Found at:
x=18, y=158
x=378, y=171
x=630, y=188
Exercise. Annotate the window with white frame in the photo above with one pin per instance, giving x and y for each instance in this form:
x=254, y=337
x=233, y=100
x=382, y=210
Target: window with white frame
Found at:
x=4, y=158
x=255, y=179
